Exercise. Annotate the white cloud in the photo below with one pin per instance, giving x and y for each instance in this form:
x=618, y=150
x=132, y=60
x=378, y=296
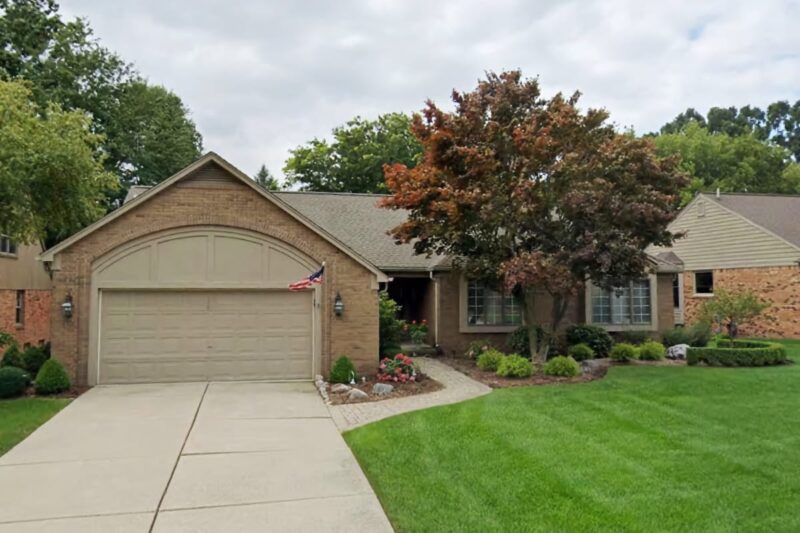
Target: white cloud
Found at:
x=261, y=78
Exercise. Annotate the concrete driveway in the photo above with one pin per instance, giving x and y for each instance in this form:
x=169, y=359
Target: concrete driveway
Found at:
x=188, y=457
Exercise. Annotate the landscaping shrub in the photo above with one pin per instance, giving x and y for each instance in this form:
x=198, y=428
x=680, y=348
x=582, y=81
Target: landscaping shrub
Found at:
x=677, y=335
x=624, y=352
x=518, y=341
x=12, y=357
x=652, y=351
x=514, y=366
x=13, y=381
x=478, y=347
x=581, y=352
x=633, y=337
x=417, y=332
x=400, y=368
x=490, y=359
x=33, y=358
x=389, y=326
x=738, y=353
x=52, y=378
x=343, y=371
x=697, y=335
x=596, y=337
x=562, y=366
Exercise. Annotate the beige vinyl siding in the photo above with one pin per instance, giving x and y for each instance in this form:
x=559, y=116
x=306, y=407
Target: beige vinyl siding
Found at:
x=22, y=271
x=722, y=239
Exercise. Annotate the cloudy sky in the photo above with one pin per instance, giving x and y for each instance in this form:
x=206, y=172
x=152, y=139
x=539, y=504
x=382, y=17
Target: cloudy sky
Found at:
x=263, y=77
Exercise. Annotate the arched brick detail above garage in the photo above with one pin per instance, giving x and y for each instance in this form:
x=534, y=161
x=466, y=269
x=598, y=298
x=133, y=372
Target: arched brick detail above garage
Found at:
x=202, y=230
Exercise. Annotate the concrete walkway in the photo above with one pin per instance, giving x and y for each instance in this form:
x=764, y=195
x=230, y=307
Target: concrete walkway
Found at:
x=188, y=457
x=457, y=388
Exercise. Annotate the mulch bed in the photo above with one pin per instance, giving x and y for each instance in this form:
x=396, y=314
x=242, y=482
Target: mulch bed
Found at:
x=424, y=385
x=71, y=394
x=597, y=371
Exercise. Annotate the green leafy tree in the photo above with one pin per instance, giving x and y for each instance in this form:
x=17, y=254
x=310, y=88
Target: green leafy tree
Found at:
x=534, y=196
x=265, y=178
x=732, y=164
x=353, y=161
x=147, y=132
x=150, y=135
x=778, y=125
x=51, y=177
x=732, y=309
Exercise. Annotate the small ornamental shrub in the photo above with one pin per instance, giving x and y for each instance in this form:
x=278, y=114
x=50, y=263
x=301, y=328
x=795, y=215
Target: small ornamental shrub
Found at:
x=478, y=347
x=596, y=337
x=514, y=366
x=623, y=352
x=633, y=337
x=562, y=366
x=343, y=371
x=417, y=332
x=738, y=353
x=400, y=368
x=52, y=378
x=13, y=381
x=490, y=359
x=389, y=326
x=652, y=351
x=675, y=336
x=33, y=358
x=12, y=357
x=699, y=334
x=581, y=352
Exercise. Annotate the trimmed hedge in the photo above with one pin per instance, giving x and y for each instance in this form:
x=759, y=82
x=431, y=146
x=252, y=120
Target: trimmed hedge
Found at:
x=13, y=381
x=12, y=357
x=51, y=379
x=33, y=358
x=738, y=353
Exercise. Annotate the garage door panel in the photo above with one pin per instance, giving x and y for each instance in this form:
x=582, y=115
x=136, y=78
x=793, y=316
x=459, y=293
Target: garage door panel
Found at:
x=202, y=335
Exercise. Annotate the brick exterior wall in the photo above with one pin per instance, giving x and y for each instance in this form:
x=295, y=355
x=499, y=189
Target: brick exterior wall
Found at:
x=35, y=328
x=228, y=204
x=455, y=342
x=779, y=285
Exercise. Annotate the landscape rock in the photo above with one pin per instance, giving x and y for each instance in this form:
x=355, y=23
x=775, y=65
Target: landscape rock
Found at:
x=677, y=352
x=382, y=389
x=339, y=388
x=357, y=394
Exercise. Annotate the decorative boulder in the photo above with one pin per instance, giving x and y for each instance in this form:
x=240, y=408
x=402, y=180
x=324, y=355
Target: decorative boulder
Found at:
x=357, y=394
x=382, y=389
x=339, y=388
x=677, y=352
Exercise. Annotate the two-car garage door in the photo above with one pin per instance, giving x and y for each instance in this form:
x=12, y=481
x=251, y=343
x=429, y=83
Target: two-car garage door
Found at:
x=168, y=335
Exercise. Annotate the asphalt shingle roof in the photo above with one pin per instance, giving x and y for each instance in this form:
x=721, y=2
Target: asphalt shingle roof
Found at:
x=778, y=213
x=357, y=221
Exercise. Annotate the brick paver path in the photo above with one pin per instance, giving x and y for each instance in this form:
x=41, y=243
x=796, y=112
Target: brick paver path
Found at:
x=457, y=388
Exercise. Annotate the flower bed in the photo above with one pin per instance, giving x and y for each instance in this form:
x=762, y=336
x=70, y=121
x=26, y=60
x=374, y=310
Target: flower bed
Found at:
x=597, y=369
x=422, y=384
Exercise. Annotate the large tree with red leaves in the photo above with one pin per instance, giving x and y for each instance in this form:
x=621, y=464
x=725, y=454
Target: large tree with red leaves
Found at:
x=534, y=196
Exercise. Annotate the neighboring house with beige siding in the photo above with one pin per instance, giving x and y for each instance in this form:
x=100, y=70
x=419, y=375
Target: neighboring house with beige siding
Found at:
x=24, y=293
x=740, y=240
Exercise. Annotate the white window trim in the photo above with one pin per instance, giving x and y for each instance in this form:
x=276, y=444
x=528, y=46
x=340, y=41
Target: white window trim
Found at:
x=696, y=294
x=465, y=327
x=652, y=326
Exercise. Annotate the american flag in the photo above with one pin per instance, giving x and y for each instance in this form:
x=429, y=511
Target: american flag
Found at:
x=305, y=283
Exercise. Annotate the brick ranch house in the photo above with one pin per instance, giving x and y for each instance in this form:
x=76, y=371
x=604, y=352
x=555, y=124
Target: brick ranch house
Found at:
x=24, y=293
x=188, y=281
x=740, y=240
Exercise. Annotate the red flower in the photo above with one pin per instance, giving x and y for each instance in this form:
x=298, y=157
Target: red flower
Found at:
x=414, y=322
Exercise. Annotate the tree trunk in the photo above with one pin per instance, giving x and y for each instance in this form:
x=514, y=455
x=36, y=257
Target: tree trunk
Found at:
x=529, y=304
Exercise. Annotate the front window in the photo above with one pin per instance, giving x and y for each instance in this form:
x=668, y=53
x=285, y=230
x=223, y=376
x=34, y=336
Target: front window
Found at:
x=630, y=304
x=704, y=283
x=7, y=246
x=487, y=307
x=19, y=311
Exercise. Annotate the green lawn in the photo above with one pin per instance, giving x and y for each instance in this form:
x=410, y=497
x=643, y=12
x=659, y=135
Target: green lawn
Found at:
x=645, y=449
x=18, y=418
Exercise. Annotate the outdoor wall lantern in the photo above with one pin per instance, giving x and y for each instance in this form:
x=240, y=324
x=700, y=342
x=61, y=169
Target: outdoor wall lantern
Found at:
x=66, y=307
x=338, y=305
